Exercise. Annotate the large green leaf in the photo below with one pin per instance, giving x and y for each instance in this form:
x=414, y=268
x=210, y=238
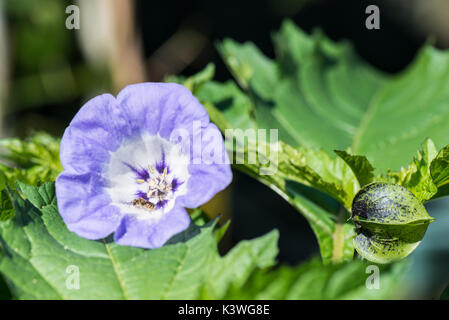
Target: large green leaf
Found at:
x=38, y=250
x=319, y=94
x=313, y=280
x=40, y=256
x=306, y=166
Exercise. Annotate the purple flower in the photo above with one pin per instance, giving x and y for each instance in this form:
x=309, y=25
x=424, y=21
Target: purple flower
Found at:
x=133, y=163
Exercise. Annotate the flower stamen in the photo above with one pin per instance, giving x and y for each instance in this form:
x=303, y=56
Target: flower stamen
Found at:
x=160, y=190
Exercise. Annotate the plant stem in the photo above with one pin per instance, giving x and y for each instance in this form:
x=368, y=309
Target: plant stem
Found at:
x=339, y=237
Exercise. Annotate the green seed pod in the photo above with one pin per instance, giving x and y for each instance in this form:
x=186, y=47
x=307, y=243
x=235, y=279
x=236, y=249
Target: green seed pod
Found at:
x=390, y=222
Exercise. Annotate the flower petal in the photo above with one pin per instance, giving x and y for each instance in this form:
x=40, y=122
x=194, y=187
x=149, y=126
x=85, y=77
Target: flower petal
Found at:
x=138, y=231
x=94, y=131
x=208, y=177
x=85, y=208
x=80, y=154
x=160, y=108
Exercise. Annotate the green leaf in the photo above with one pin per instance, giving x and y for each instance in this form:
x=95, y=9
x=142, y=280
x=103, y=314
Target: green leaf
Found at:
x=326, y=217
x=440, y=167
x=328, y=223
x=308, y=93
x=248, y=65
x=229, y=101
x=310, y=96
x=39, y=252
x=319, y=170
x=196, y=81
x=6, y=208
x=320, y=94
x=321, y=97
x=334, y=235
x=314, y=281
x=417, y=177
x=239, y=264
x=360, y=165
x=439, y=170
x=33, y=160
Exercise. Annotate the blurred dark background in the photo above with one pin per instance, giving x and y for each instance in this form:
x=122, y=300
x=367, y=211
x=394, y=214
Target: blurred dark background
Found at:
x=47, y=72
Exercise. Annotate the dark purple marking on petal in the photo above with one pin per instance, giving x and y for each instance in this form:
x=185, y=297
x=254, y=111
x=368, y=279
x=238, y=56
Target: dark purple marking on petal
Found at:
x=161, y=204
x=161, y=165
x=142, y=195
x=175, y=183
x=141, y=173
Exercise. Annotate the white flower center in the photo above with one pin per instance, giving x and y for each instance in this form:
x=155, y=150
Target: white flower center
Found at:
x=146, y=174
